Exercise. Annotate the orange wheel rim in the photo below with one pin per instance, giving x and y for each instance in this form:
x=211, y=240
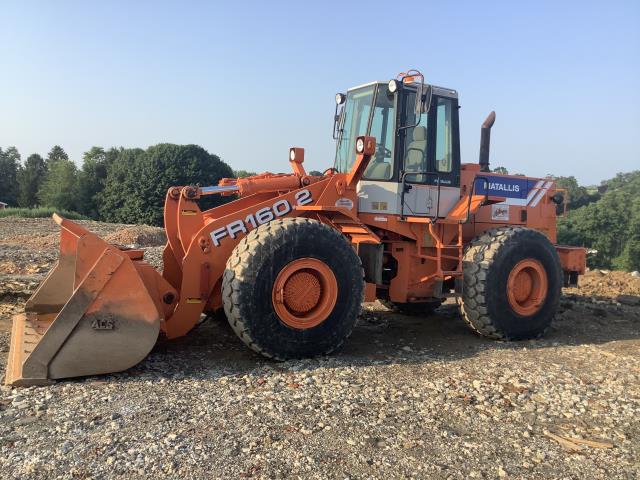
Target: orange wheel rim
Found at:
x=304, y=293
x=527, y=287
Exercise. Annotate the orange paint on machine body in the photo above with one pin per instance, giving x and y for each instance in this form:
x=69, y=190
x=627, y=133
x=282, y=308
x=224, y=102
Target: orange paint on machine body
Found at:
x=290, y=259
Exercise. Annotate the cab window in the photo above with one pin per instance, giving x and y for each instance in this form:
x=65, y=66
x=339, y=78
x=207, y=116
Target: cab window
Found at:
x=354, y=124
x=383, y=128
x=444, y=136
x=415, y=144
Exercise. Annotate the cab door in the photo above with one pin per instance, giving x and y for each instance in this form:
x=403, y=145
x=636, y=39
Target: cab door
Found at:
x=430, y=179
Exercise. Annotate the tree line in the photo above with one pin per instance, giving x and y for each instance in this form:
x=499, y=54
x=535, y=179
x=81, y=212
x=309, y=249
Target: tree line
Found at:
x=128, y=185
x=604, y=218
x=125, y=185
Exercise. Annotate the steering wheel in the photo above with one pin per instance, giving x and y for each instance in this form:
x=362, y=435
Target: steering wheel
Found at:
x=330, y=170
x=380, y=148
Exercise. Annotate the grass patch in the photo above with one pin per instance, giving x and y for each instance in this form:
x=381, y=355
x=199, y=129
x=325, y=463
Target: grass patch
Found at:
x=40, y=212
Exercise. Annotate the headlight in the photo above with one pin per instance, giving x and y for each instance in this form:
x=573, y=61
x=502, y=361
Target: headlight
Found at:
x=340, y=98
x=393, y=86
x=296, y=155
x=360, y=145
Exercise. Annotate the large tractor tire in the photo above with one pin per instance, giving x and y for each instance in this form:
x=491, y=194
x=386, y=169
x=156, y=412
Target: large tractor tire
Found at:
x=417, y=309
x=293, y=288
x=512, y=284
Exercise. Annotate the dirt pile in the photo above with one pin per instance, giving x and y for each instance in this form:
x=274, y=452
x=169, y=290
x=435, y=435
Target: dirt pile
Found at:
x=35, y=240
x=12, y=268
x=44, y=233
x=29, y=246
x=607, y=284
x=139, y=235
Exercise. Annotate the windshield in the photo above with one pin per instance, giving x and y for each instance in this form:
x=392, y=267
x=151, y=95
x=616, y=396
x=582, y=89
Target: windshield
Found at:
x=383, y=128
x=354, y=122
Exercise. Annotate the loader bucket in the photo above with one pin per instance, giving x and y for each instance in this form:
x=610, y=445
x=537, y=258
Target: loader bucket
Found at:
x=98, y=311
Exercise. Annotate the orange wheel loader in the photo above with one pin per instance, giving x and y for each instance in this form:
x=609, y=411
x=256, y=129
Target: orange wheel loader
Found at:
x=397, y=218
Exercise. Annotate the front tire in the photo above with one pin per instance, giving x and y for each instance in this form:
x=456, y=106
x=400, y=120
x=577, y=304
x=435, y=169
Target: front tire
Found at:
x=512, y=283
x=293, y=288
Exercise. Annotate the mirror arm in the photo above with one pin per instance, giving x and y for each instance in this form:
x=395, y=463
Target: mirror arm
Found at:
x=335, y=123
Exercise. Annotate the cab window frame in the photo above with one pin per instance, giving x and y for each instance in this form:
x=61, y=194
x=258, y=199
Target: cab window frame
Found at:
x=448, y=179
x=407, y=137
x=391, y=133
x=436, y=160
x=345, y=148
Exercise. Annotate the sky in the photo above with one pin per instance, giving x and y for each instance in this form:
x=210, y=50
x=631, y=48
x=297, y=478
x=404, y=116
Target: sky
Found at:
x=247, y=80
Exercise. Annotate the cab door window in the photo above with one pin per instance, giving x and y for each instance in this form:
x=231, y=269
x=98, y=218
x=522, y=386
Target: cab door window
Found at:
x=444, y=135
x=415, y=144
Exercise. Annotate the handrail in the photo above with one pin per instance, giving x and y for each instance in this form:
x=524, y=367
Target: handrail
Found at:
x=473, y=188
x=437, y=175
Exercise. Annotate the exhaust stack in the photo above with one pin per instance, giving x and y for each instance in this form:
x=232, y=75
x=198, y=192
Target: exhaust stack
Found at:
x=485, y=140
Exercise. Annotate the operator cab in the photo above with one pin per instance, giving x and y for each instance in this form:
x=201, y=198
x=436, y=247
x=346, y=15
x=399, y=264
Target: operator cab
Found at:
x=416, y=167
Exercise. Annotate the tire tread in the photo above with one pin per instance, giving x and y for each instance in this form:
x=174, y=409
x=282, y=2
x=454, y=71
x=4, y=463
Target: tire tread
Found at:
x=477, y=261
x=256, y=247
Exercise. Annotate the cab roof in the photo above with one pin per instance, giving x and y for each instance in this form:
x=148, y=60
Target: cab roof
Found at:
x=440, y=91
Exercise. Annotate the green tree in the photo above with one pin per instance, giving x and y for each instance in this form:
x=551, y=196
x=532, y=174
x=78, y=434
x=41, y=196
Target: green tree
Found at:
x=56, y=153
x=610, y=225
x=501, y=170
x=629, y=181
x=92, y=178
x=138, y=180
x=630, y=258
x=59, y=188
x=9, y=167
x=116, y=202
x=242, y=174
x=578, y=196
x=315, y=173
x=30, y=179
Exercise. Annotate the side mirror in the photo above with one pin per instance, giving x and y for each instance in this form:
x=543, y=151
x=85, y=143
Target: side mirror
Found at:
x=557, y=198
x=419, y=101
x=340, y=99
x=423, y=96
x=423, y=99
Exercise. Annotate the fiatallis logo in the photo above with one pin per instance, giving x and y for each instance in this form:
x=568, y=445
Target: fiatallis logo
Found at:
x=504, y=187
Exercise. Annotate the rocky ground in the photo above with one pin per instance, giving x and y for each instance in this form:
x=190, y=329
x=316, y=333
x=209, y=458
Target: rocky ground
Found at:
x=406, y=397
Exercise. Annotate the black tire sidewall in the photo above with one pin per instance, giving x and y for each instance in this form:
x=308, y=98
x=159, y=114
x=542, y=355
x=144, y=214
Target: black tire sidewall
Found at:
x=262, y=322
x=525, y=245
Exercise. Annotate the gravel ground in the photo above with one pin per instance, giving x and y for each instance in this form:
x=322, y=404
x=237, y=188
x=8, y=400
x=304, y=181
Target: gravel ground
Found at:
x=407, y=397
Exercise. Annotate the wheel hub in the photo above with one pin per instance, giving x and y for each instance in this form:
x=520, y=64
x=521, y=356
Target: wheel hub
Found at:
x=304, y=293
x=527, y=287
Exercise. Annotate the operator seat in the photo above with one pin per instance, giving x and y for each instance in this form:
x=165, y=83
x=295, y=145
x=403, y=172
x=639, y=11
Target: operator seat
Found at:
x=415, y=159
x=378, y=170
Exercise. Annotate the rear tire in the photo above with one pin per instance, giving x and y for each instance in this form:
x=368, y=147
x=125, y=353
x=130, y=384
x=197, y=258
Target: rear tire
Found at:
x=512, y=283
x=293, y=288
